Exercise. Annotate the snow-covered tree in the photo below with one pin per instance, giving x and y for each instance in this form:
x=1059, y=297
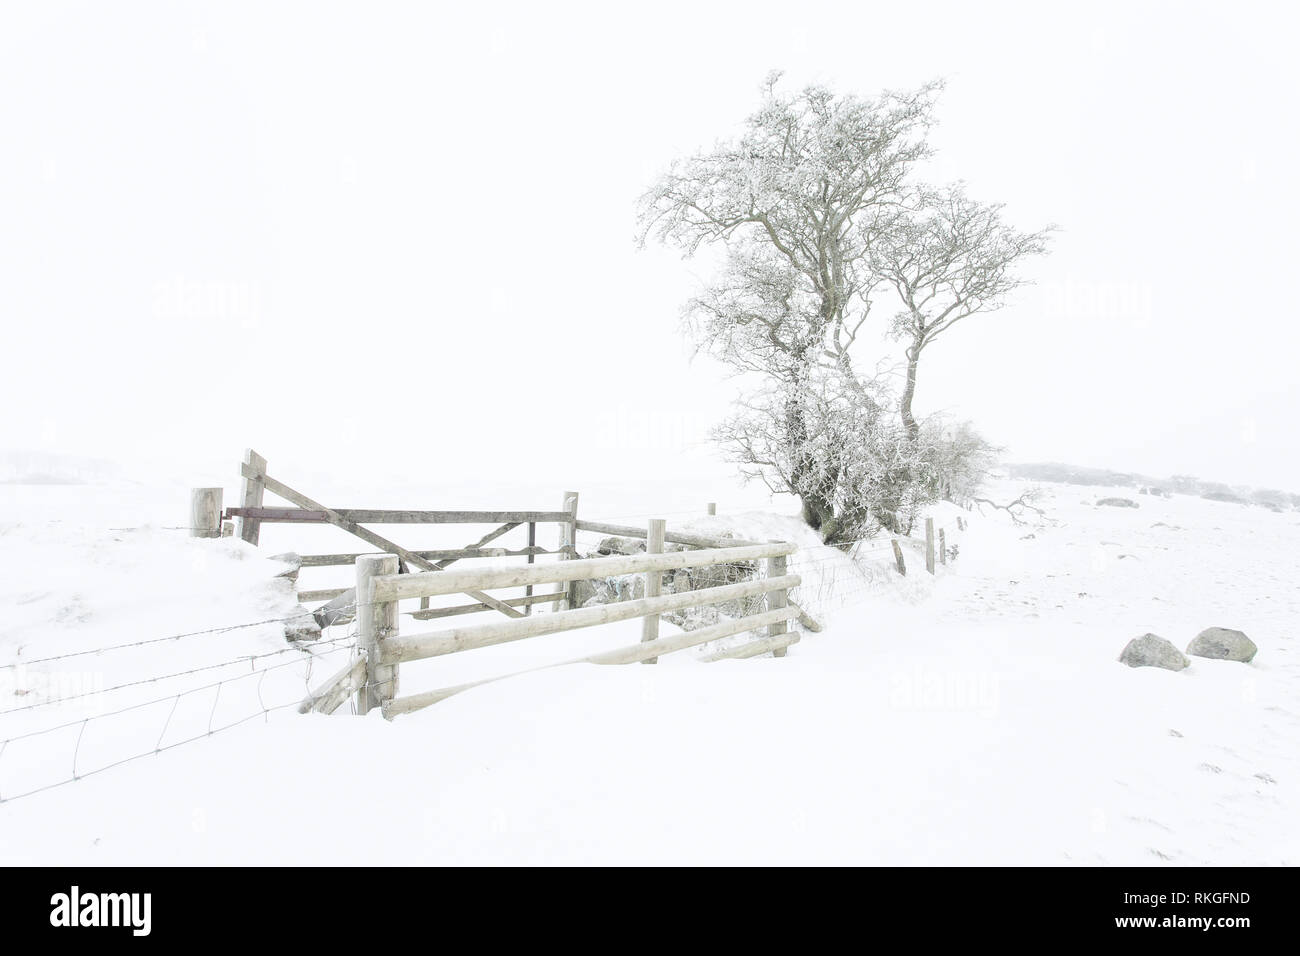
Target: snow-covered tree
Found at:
x=960, y=457
x=813, y=206
x=797, y=201
x=947, y=257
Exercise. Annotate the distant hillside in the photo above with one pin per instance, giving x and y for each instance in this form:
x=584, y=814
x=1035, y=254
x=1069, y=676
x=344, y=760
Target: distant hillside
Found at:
x=49, y=468
x=1178, y=484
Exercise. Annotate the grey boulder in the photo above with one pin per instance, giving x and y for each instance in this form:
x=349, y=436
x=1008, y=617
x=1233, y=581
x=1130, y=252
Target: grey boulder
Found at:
x=1151, y=650
x=1223, y=644
x=616, y=545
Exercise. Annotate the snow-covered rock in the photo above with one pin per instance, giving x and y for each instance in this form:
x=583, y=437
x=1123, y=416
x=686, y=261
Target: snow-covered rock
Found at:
x=1117, y=502
x=1223, y=644
x=616, y=545
x=1151, y=650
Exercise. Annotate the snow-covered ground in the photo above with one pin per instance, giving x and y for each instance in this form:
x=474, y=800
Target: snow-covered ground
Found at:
x=976, y=717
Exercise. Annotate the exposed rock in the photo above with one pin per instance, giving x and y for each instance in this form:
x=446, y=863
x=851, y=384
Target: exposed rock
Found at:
x=1150, y=650
x=594, y=591
x=294, y=562
x=303, y=627
x=693, y=618
x=1223, y=644
x=629, y=587
x=584, y=591
x=716, y=575
x=1117, y=502
x=615, y=545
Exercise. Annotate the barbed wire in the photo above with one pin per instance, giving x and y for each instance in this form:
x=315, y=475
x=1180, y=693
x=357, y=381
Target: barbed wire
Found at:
x=166, y=697
x=263, y=711
x=170, y=637
x=242, y=659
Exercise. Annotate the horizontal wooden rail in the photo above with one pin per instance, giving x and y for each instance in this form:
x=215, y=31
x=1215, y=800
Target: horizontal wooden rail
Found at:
x=447, y=554
x=630, y=654
x=432, y=613
x=385, y=516
x=672, y=537
x=416, y=647
x=394, y=587
x=322, y=594
x=297, y=515
x=450, y=517
x=691, y=541
x=776, y=642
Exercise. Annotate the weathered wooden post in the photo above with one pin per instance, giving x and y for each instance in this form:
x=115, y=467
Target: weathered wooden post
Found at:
x=898, y=558
x=532, y=543
x=713, y=507
x=654, y=544
x=205, y=513
x=374, y=623
x=929, y=545
x=943, y=547
x=569, y=541
x=251, y=497
x=777, y=600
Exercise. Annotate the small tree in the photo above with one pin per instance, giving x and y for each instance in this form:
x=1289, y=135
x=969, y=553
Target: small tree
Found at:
x=813, y=207
x=948, y=258
x=797, y=202
x=962, y=458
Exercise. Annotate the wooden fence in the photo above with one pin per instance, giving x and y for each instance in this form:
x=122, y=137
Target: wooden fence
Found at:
x=382, y=580
x=339, y=601
x=379, y=588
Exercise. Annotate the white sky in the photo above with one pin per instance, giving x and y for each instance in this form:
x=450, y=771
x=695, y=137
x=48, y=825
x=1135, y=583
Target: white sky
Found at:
x=400, y=235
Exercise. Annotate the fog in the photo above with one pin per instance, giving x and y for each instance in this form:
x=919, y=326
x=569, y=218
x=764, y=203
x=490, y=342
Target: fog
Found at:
x=399, y=237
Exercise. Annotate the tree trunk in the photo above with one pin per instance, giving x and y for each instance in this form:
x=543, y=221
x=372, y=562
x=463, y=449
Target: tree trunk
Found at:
x=909, y=392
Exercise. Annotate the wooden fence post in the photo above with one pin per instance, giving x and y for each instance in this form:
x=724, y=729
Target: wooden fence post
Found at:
x=654, y=544
x=569, y=539
x=251, y=497
x=374, y=622
x=943, y=548
x=532, y=543
x=205, y=513
x=929, y=545
x=777, y=600
x=713, y=507
x=898, y=558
